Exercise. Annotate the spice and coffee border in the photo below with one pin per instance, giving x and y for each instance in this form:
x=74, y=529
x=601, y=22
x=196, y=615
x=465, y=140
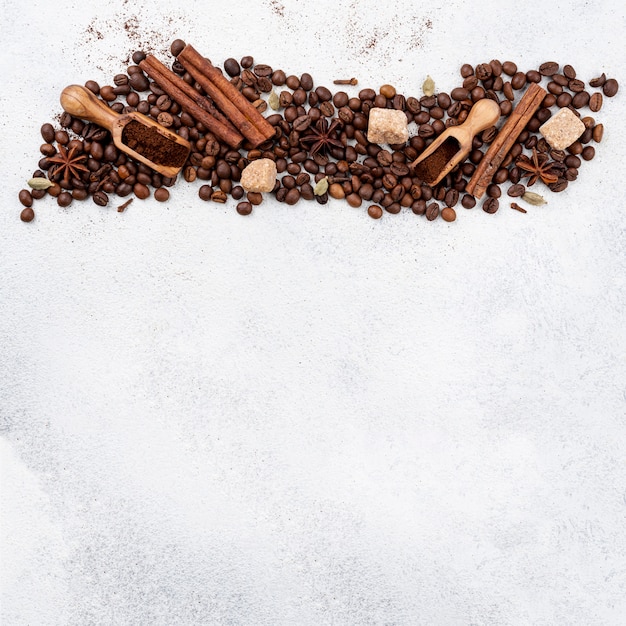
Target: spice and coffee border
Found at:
x=318, y=139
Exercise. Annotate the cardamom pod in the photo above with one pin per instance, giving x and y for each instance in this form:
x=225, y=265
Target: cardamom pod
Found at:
x=533, y=198
x=429, y=86
x=274, y=101
x=322, y=186
x=40, y=183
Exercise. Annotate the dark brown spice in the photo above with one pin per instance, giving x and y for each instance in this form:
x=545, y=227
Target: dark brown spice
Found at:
x=148, y=142
x=120, y=209
x=431, y=166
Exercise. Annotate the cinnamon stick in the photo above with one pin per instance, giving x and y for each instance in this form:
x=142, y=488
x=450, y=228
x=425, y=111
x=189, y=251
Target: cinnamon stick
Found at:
x=250, y=123
x=505, y=139
x=191, y=101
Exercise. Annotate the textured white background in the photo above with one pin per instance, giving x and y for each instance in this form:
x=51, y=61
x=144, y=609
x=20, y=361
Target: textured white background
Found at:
x=307, y=417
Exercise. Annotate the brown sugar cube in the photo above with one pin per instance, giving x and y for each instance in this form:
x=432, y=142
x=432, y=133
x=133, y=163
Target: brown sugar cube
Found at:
x=259, y=175
x=387, y=126
x=563, y=129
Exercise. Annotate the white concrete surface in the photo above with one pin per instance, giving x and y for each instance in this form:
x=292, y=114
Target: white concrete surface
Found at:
x=307, y=417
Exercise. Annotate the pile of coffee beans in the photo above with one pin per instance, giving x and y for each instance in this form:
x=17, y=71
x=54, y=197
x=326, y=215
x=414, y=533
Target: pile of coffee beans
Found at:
x=379, y=178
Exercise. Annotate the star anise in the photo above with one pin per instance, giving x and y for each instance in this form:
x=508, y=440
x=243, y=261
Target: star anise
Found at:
x=539, y=167
x=322, y=136
x=67, y=164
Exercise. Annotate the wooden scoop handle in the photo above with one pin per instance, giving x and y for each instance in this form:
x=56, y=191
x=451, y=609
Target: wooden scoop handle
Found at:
x=80, y=102
x=483, y=114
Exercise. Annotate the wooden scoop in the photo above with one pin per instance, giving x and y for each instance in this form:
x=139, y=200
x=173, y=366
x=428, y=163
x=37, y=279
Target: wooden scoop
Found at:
x=133, y=133
x=455, y=143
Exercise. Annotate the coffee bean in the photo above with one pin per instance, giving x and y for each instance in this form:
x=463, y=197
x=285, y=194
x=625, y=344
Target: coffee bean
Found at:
x=47, y=132
x=466, y=70
x=232, y=67
x=491, y=205
x=254, y=197
x=141, y=191
x=518, y=80
x=64, y=199
x=598, y=81
x=375, y=212
x=533, y=76
x=451, y=197
x=516, y=191
x=432, y=211
x=100, y=198
x=292, y=196
x=244, y=208
x=569, y=71
x=581, y=99
x=549, y=68
x=448, y=214
x=610, y=88
x=263, y=70
x=595, y=102
x=27, y=215
x=588, y=153
x=161, y=194
x=139, y=82
x=576, y=85
x=26, y=198
x=559, y=186
x=177, y=46
x=598, y=131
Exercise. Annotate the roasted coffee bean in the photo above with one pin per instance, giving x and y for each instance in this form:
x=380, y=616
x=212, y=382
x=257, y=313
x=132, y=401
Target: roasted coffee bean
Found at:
x=244, y=208
x=610, y=88
x=483, y=71
x=549, y=68
x=569, y=71
x=141, y=191
x=581, y=99
x=598, y=81
x=459, y=93
x=448, y=214
x=588, y=153
x=139, y=82
x=451, y=197
x=533, y=76
x=278, y=78
x=509, y=68
x=374, y=211
x=496, y=67
x=64, y=199
x=292, y=196
x=493, y=190
x=232, y=67
x=564, y=100
x=418, y=207
x=466, y=70
x=47, y=132
x=26, y=198
x=27, y=215
x=561, y=80
x=516, y=191
x=491, y=205
x=554, y=88
x=595, y=102
x=598, y=131
x=560, y=185
x=518, y=80
x=100, y=198
x=576, y=85
x=432, y=211
x=93, y=86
